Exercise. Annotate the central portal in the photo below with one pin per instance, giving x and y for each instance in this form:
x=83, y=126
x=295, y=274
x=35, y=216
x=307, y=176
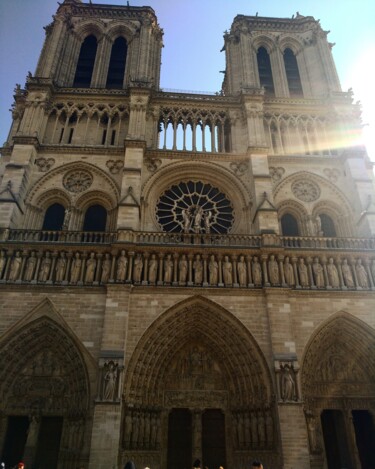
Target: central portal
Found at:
x=196, y=435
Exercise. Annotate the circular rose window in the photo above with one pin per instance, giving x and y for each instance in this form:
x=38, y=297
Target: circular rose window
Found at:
x=194, y=207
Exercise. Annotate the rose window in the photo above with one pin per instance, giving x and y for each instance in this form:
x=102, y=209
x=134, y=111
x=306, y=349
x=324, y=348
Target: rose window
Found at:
x=194, y=207
x=77, y=181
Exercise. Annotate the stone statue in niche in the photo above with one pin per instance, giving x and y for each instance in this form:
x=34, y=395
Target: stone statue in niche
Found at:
x=30, y=267
x=313, y=431
x=213, y=269
x=273, y=270
x=152, y=269
x=138, y=266
x=67, y=217
x=257, y=272
x=303, y=275
x=207, y=221
x=287, y=384
x=110, y=380
x=289, y=273
x=121, y=268
x=198, y=215
x=3, y=261
x=15, y=267
x=76, y=268
x=347, y=274
x=90, y=268
x=45, y=268
x=183, y=269
x=60, y=267
x=241, y=271
x=318, y=273
x=198, y=270
x=186, y=220
x=227, y=272
x=168, y=269
x=106, y=268
x=361, y=274
x=318, y=226
x=333, y=275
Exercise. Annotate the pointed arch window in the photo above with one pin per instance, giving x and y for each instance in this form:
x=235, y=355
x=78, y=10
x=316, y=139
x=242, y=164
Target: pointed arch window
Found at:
x=265, y=70
x=117, y=62
x=86, y=61
x=292, y=73
x=289, y=225
x=328, y=226
x=95, y=218
x=54, y=218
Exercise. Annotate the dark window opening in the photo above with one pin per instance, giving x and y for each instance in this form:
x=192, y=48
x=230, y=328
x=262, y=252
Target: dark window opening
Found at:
x=335, y=439
x=113, y=137
x=116, y=69
x=365, y=437
x=328, y=227
x=15, y=440
x=292, y=73
x=49, y=438
x=95, y=218
x=265, y=71
x=289, y=225
x=85, y=65
x=179, y=439
x=104, y=136
x=61, y=135
x=70, y=135
x=54, y=218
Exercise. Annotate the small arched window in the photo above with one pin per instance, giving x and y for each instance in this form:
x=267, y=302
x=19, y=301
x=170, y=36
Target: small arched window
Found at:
x=264, y=70
x=86, y=61
x=54, y=218
x=328, y=227
x=292, y=73
x=117, y=62
x=95, y=218
x=289, y=225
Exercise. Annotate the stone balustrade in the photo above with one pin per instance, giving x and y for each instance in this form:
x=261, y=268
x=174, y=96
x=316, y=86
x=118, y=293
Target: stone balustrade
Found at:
x=183, y=266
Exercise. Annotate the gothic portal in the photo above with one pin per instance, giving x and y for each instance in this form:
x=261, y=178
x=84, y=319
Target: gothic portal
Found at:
x=185, y=276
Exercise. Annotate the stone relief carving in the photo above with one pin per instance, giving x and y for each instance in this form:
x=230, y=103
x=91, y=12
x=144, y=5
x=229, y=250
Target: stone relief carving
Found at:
x=142, y=428
x=152, y=164
x=276, y=173
x=110, y=381
x=286, y=373
x=305, y=190
x=77, y=181
x=240, y=168
x=114, y=166
x=332, y=174
x=45, y=164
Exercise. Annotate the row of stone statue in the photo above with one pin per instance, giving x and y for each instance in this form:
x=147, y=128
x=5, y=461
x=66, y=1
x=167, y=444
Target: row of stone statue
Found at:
x=90, y=268
x=142, y=429
x=253, y=429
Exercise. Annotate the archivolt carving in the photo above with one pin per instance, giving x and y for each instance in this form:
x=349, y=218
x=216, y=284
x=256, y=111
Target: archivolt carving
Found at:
x=173, y=347
x=291, y=43
x=86, y=27
x=339, y=360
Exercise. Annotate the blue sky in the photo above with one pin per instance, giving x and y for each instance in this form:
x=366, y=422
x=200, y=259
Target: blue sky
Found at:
x=193, y=37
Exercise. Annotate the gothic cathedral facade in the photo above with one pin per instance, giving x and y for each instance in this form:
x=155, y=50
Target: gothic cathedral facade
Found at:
x=185, y=276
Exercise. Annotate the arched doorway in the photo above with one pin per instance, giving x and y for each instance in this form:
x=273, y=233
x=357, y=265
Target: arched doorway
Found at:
x=198, y=387
x=45, y=396
x=338, y=383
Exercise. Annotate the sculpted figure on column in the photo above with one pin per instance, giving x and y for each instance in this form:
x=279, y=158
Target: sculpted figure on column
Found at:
x=273, y=269
x=138, y=266
x=213, y=269
x=207, y=221
x=242, y=271
x=198, y=219
x=45, y=268
x=183, y=269
x=289, y=273
x=198, y=270
x=288, y=384
x=318, y=273
x=152, y=269
x=90, y=268
x=30, y=267
x=227, y=271
x=110, y=379
x=361, y=274
x=257, y=272
x=303, y=275
x=347, y=274
x=186, y=220
x=333, y=275
x=76, y=268
x=60, y=267
x=106, y=268
x=121, y=268
x=168, y=269
x=15, y=267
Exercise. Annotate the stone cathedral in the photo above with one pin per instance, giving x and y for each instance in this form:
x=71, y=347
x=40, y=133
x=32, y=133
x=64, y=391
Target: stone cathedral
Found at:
x=184, y=275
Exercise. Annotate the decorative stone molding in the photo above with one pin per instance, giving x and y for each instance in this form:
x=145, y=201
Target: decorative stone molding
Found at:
x=276, y=173
x=152, y=164
x=45, y=164
x=77, y=181
x=332, y=174
x=305, y=190
x=115, y=166
x=239, y=168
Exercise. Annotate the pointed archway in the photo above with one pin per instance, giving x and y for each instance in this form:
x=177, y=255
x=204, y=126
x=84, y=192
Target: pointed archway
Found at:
x=197, y=359
x=45, y=390
x=338, y=384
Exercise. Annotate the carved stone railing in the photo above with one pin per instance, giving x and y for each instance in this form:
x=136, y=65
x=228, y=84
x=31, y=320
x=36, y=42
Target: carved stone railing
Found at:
x=304, y=242
x=95, y=237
